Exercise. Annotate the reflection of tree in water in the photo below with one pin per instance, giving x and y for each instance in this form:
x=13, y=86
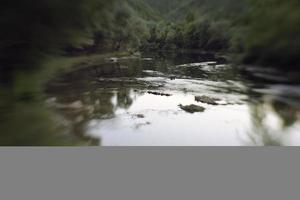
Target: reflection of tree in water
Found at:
x=287, y=113
x=95, y=106
x=83, y=105
x=260, y=134
x=268, y=133
x=124, y=99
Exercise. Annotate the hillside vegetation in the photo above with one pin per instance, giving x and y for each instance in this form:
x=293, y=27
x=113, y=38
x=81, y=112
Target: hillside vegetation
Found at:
x=263, y=31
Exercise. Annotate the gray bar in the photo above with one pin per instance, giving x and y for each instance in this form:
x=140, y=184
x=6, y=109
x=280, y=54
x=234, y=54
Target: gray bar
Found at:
x=149, y=173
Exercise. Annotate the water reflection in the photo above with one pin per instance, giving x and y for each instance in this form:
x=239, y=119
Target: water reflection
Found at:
x=274, y=122
x=110, y=102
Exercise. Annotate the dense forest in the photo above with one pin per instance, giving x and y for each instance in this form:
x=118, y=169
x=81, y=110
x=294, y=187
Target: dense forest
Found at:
x=264, y=31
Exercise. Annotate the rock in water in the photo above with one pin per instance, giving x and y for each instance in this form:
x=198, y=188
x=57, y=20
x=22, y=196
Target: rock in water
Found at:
x=159, y=94
x=192, y=108
x=141, y=116
x=207, y=100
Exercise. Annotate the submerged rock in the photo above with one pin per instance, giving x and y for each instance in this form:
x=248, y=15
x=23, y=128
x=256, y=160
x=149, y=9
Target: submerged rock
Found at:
x=192, y=108
x=117, y=80
x=159, y=94
x=141, y=116
x=207, y=100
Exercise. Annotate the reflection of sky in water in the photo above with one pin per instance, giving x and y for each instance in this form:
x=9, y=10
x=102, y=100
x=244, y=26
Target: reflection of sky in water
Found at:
x=166, y=124
x=271, y=125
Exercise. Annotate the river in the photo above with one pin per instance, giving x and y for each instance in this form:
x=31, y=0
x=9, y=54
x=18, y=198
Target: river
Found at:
x=135, y=101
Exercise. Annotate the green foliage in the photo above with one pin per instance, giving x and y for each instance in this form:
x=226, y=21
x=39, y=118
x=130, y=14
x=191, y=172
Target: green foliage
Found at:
x=164, y=7
x=267, y=31
x=274, y=33
x=190, y=17
x=34, y=28
x=190, y=34
x=264, y=31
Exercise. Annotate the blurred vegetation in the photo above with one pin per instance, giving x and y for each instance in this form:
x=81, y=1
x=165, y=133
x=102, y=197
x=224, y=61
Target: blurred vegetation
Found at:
x=273, y=36
x=265, y=31
x=33, y=29
x=204, y=25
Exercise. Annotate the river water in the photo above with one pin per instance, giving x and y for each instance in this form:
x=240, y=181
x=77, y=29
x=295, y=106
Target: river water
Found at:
x=134, y=101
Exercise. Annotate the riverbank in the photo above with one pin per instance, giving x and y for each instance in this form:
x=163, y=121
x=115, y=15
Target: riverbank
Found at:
x=26, y=120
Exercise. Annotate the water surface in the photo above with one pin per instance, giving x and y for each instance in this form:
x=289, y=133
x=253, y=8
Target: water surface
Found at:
x=117, y=102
